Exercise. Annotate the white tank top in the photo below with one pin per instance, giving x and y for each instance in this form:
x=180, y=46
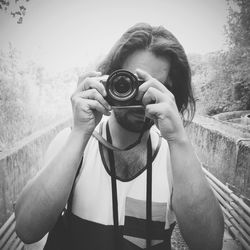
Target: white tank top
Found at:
x=92, y=200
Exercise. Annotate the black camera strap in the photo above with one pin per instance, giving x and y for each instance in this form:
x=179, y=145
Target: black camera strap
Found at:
x=114, y=193
x=109, y=145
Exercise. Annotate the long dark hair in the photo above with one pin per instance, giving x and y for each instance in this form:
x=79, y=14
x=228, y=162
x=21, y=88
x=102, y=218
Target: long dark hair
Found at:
x=161, y=42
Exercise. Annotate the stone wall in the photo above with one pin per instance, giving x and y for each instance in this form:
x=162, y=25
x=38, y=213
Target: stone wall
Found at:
x=224, y=150
x=21, y=163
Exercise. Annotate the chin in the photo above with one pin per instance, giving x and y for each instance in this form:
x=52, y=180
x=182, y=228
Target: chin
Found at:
x=132, y=120
x=133, y=124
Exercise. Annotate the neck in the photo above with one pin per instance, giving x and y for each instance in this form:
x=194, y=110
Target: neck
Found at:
x=122, y=137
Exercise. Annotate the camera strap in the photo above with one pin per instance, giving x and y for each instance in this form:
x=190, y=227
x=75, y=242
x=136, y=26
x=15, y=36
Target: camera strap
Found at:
x=109, y=145
x=117, y=235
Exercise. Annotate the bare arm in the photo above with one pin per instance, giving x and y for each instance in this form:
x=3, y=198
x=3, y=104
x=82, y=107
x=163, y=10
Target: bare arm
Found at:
x=44, y=198
x=196, y=208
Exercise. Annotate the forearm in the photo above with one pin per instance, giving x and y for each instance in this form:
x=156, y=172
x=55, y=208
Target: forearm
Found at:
x=42, y=200
x=196, y=208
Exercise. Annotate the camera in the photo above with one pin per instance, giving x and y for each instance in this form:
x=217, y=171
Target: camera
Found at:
x=122, y=88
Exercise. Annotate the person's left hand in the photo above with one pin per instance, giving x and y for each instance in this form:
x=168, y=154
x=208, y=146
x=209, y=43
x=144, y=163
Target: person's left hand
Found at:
x=160, y=106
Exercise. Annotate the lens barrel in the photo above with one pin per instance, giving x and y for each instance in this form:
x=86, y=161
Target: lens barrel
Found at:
x=122, y=88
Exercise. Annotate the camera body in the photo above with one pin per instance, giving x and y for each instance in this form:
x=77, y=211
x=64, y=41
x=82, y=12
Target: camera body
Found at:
x=122, y=88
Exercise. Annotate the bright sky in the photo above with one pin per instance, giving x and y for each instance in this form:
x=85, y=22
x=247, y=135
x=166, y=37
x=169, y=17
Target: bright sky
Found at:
x=62, y=33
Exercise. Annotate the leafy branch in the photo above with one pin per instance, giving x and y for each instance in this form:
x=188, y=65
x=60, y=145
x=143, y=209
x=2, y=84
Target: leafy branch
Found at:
x=15, y=8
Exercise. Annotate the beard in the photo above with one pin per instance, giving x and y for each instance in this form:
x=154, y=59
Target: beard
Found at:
x=133, y=120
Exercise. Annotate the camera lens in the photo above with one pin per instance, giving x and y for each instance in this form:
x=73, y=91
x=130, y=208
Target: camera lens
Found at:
x=122, y=85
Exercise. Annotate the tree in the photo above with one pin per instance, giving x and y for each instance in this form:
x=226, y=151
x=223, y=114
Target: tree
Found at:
x=238, y=28
x=222, y=79
x=238, y=35
x=16, y=8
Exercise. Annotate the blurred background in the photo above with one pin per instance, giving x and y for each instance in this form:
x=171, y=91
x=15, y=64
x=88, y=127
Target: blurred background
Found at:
x=45, y=45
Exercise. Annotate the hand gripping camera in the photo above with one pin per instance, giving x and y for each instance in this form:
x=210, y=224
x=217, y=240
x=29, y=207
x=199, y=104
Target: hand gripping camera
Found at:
x=122, y=88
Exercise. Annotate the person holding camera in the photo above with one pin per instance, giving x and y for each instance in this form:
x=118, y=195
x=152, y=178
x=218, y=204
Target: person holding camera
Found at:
x=127, y=156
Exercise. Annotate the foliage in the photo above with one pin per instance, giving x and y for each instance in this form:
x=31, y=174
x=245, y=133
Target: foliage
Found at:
x=221, y=82
x=238, y=27
x=16, y=8
x=30, y=98
x=222, y=79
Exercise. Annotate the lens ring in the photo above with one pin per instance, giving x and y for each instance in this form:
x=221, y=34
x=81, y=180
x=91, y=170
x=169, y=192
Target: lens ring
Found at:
x=122, y=85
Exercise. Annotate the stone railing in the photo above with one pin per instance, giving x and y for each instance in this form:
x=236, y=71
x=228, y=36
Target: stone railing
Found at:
x=21, y=163
x=224, y=150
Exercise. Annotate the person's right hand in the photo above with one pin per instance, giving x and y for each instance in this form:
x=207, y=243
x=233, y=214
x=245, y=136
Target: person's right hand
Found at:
x=88, y=103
